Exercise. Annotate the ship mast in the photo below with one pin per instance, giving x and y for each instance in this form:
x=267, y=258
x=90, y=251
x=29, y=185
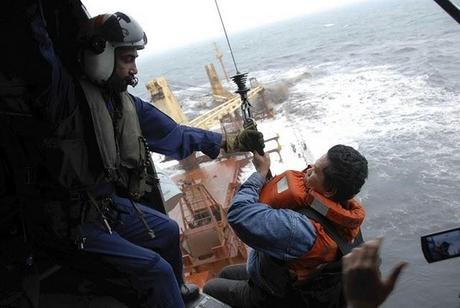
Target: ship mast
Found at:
x=219, y=57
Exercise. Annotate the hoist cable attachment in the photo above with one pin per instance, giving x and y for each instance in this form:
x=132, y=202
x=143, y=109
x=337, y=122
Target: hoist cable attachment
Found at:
x=240, y=80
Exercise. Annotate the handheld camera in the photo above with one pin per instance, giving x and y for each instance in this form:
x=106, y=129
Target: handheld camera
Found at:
x=442, y=245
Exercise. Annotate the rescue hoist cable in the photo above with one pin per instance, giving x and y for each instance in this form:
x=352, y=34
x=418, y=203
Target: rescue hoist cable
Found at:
x=240, y=80
x=226, y=36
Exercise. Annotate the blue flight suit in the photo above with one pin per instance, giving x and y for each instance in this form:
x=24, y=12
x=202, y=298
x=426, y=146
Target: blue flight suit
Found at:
x=154, y=266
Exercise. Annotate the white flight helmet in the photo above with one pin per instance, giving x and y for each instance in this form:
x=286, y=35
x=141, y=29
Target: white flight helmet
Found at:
x=100, y=37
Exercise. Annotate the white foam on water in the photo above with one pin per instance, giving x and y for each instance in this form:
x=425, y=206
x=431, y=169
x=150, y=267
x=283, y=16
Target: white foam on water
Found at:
x=367, y=103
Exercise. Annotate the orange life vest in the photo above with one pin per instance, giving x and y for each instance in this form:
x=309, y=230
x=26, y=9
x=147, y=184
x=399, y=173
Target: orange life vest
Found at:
x=288, y=190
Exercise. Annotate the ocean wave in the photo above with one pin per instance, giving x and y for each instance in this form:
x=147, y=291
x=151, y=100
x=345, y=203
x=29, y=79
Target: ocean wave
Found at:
x=347, y=46
x=406, y=49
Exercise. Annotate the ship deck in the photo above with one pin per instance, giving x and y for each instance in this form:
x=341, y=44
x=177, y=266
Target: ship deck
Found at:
x=216, y=176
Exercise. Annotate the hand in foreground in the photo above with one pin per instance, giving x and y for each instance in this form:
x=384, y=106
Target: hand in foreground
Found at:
x=261, y=163
x=248, y=140
x=363, y=284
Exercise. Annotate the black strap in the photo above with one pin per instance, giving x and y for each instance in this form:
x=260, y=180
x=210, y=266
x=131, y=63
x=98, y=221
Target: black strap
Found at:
x=343, y=245
x=450, y=9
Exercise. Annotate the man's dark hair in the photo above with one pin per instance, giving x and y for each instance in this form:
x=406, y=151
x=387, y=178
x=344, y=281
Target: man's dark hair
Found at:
x=346, y=172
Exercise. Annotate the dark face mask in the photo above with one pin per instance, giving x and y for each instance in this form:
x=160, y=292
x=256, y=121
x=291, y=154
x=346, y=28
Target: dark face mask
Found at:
x=132, y=80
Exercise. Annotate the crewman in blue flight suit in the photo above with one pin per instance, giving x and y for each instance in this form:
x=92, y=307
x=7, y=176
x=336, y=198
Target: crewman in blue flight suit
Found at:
x=98, y=157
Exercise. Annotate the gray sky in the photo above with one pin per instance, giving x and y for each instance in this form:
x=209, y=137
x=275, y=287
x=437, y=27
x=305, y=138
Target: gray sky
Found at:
x=173, y=23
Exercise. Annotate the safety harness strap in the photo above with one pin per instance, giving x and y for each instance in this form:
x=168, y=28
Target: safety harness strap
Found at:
x=317, y=211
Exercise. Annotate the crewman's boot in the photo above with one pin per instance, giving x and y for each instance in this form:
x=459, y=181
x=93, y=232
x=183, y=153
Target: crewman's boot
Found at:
x=189, y=291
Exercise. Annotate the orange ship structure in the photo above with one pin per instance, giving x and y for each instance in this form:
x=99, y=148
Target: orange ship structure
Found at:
x=208, y=242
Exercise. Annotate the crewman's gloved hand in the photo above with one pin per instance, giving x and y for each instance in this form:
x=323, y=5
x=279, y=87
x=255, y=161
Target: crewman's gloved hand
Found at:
x=248, y=140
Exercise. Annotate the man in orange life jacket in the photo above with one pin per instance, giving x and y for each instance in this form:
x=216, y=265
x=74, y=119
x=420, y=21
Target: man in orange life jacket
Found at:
x=281, y=237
